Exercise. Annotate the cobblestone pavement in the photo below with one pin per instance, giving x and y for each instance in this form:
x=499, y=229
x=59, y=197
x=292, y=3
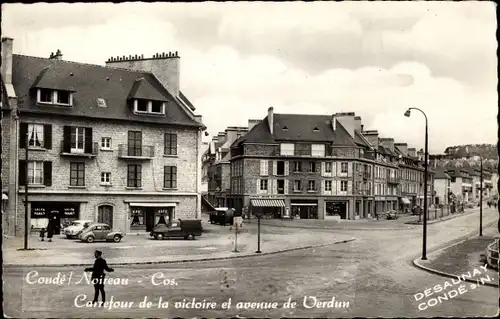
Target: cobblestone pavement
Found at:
x=374, y=274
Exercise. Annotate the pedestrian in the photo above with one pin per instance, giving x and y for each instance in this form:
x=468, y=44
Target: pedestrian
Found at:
x=42, y=234
x=50, y=231
x=100, y=265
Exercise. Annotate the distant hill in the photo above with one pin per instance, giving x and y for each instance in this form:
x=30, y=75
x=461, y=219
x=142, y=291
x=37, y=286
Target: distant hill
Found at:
x=468, y=156
x=486, y=151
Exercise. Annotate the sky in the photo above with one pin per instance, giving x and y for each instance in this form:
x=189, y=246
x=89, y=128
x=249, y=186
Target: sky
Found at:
x=237, y=59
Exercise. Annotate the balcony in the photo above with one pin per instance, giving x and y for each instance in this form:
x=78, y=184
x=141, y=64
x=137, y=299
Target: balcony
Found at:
x=89, y=150
x=392, y=180
x=141, y=153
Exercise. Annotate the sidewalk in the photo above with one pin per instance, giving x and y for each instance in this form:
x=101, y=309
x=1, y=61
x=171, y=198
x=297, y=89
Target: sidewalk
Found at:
x=344, y=224
x=143, y=250
x=461, y=258
x=451, y=216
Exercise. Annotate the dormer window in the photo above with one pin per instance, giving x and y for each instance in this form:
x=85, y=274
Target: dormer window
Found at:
x=55, y=97
x=148, y=106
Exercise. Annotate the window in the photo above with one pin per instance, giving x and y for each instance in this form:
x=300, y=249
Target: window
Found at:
x=35, y=173
x=297, y=166
x=296, y=186
x=287, y=149
x=138, y=216
x=49, y=96
x=343, y=167
x=170, y=144
x=328, y=186
x=263, y=184
x=62, y=97
x=311, y=186
x=134, y=175
x=170, y=177
x=105, y=178
x=35, y=133
x=77, y=174
x=141, y=106
x=318, y=150
x=311, y=168
x=280, y=168
x=281, y=186
x=343, y=186
x=45, y=96
x=157, y=107
x=328, y=167
x=106, y=142
x=134, y=143
x=77, y=139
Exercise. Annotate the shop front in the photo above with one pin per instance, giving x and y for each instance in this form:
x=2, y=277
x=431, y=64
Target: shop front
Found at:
x=337, y=208
x=146, y=216
x=60, y=214
x=405, y=205
x=268, y=207
x=304, y=209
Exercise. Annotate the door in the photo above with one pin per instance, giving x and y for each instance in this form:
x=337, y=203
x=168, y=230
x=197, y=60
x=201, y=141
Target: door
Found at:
x=134, y=143
x=77, y=139
x=105, y=215
x=55, y=220
x=150, y=218
x=98, y=232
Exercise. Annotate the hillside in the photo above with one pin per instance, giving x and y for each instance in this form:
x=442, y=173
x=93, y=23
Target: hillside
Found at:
x=468, y=156
x=486, y=151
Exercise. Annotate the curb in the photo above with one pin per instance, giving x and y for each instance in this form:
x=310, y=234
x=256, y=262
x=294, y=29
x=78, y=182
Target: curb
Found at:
x=331, y=228
x=430, y=222
x=188, y=260
x=416, y=263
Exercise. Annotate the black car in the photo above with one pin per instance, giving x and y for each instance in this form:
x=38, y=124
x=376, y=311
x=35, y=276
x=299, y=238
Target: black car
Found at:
x=222, y=216
x=187, y=229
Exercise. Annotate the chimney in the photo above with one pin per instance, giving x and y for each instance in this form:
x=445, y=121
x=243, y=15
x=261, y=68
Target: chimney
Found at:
x=58, y=55
x=372, y=137
x=347, y=121
x=413, y=152
x=334, y=122
x=270, y=119
x=7, y=45
x=403, y=147
x=357, y=124
x=165, y=67
x=252, y=123
x=388, y=143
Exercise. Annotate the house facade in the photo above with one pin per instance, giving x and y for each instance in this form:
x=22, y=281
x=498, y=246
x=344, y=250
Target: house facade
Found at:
x=118, y=144
x=316, y=167
x=442, y=186
x=461, y=183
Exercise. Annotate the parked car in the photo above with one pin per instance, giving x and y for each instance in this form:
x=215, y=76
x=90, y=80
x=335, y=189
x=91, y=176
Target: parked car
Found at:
x=100, y=231
x=222, y=216
x=75, y=228
x=392, y=214
x=187, y=229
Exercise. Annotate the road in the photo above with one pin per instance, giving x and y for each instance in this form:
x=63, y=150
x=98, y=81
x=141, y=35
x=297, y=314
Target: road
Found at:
x=374, y=274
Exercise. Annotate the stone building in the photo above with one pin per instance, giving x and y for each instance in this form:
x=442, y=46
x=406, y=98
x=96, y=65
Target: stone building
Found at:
x=118, y=144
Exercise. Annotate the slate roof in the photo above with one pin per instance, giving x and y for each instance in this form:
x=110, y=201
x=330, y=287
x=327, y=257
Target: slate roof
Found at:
x=143, y=90
x=441, y=173
x=360, y=140
x=298, y=127
x=91, y=82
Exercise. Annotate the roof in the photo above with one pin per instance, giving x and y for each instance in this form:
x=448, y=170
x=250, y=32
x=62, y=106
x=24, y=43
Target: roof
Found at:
x=143, y=90
x=91, y=82
x=441, y=173
x=186, y=101
x=361, y=140
x=298, y=127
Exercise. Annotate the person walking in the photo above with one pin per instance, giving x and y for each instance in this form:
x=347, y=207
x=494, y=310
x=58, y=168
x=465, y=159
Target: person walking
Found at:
x=42, y=234
x=50, y=231
x=100, y=265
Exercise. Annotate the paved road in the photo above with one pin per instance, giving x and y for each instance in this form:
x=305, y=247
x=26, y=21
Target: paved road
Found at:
x=374, y=274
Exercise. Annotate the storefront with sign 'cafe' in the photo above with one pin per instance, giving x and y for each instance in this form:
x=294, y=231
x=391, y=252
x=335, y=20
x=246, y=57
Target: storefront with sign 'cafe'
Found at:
x=60, y=214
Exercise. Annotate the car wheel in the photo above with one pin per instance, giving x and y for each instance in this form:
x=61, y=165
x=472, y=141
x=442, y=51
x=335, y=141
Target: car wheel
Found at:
x=90, y=239
x=190, y=236
x=117, y=238
x=159, y=236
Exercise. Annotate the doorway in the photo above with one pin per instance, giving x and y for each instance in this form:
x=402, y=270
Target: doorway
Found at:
x=105, y=215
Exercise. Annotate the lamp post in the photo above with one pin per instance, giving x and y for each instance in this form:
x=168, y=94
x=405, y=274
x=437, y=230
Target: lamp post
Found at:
x=481, y=199
x=259, y=216
x=426, y=152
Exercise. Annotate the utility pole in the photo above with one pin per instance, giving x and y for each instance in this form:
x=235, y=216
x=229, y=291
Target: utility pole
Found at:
x=26, y=181
x=481, y=200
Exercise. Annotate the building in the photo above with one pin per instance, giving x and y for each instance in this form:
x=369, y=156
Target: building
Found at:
x=219, y=166
x=460, y=183
x=316, y=167
x=442, y=186
x=487, y=185
x=118, y=144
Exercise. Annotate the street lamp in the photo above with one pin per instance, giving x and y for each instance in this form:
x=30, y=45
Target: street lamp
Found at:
x=481, y=199
x=259, y=216
x=426, y=152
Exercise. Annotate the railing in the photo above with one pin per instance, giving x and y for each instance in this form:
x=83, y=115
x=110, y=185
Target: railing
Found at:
x=492, y=255
x=80, y=152
x=144, y=152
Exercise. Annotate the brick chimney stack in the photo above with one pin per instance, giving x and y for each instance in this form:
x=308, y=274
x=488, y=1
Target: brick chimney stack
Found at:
x=347, y=121
x=270, y=119
x=252, y=123
x=7, y=45
x=165, y=66
x=372, y=137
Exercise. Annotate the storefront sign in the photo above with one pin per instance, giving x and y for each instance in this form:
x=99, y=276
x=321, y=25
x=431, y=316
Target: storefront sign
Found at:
x=136, y=211
x=38, y=212
x=162, y=211
x=69, y=212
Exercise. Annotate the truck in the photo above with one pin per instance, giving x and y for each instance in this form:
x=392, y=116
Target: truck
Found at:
x=222, y=216
x=187, y=229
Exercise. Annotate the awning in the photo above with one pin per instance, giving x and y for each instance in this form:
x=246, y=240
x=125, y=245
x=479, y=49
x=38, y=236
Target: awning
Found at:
x=153, y=204
x=4, y=196
x=267, y=203
x=405, y=200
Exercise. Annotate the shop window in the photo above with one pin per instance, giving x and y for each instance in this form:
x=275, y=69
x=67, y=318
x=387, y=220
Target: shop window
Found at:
x=138, y=217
